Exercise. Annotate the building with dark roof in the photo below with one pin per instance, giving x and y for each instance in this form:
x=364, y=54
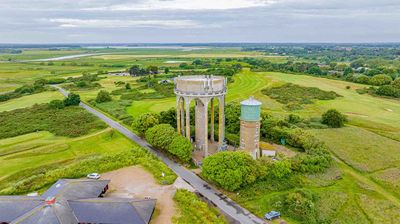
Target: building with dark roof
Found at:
x=74, y=201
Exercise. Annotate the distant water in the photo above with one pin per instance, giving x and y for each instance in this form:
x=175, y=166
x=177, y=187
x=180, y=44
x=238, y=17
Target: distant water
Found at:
x=65, y=57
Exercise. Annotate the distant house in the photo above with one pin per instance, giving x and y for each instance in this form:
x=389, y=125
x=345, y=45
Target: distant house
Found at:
x=119, y=73
x=75, y=201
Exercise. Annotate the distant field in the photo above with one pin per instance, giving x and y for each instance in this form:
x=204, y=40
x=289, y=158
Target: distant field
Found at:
x=30, y=100
x=363, y=108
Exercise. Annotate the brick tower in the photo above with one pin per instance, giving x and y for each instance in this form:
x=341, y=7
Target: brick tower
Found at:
x=250, y=127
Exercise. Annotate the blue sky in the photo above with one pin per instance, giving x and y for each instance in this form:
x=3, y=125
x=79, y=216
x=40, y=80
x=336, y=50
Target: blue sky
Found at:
x=174, y=21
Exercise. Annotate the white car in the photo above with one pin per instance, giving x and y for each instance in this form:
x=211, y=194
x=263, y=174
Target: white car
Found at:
x=93, y=176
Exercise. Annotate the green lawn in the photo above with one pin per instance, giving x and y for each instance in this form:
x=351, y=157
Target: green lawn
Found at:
x=30, y=100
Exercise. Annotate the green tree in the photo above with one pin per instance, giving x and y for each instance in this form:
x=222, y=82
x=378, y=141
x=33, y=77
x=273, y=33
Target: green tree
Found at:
x=166, y=70
x=347, y=71
x=230, y=170
x=135, y=70
x=333, y=118
x=103, y=96
x=160, y=136
x=361, y=79
x=380, y=80
x=72, y=100
x=396, y=83
x=168, y=117
x=56, y=104
x=144, y=122
x=232, y=117
x=181, y=147
x=152, y=69
x=128, y=86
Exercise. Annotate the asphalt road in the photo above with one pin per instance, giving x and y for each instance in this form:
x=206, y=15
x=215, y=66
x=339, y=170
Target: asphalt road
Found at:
x=220, y=200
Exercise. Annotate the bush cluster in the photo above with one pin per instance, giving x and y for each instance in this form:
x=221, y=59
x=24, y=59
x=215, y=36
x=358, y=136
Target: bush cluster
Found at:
x=230, y=170
x=333, y=118
x=164, y=137
x=103, y=96
x=144, y=122
x=28, y=89
x=71, y=121
x=295, y=94
x=193, y=210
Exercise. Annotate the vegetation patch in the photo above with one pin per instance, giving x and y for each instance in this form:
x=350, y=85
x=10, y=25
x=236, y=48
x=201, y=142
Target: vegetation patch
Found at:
x=192, y=210
x=295, y=94
x=71, y=121
x=389, y=178
x=375, y=154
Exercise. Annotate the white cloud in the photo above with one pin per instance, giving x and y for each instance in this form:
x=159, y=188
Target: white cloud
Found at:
x=186, y=5
x=112, y=23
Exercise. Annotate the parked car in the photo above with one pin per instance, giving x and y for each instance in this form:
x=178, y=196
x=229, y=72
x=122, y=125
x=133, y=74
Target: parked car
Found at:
x=93, y=176
x=272, y=215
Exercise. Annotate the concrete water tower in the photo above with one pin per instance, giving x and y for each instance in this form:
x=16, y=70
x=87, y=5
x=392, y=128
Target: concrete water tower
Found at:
x=202, y=89
x=250, y=127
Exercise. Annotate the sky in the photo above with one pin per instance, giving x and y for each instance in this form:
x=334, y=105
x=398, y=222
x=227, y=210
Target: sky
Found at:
x=199, y=21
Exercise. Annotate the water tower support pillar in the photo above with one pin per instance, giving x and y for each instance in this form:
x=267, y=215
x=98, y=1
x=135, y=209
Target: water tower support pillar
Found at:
x=212, y=121
x=178, y=114
x=187, y=101
x=221, y=124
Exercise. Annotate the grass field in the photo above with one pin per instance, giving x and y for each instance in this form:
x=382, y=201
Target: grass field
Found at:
x=362, y=149
x=30, y=100
x=43, y=148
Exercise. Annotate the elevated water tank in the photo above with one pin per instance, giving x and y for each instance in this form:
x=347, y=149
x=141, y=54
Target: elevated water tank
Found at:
x=250, y=110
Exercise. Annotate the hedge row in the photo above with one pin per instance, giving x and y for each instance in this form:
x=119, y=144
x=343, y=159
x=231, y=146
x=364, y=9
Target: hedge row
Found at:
x=164, y=137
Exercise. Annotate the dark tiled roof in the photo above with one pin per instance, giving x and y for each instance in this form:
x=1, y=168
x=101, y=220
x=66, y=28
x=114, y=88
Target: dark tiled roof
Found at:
x=76, y=188
x=75, y=201
x=12, y=207
x=59, y=212
x=113, y=210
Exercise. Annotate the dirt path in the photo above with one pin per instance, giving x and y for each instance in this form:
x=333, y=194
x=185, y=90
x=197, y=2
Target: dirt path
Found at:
x=136, y=182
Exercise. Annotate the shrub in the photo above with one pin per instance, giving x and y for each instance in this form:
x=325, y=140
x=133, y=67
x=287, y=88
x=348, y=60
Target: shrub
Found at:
x=396, y=83
x=144, y=122
x=128, y=86
x=230, y=170
x=72, y=100
x=361, y=79
x=71, y=121
x=333, y=118
x=168, y=117
x=388, y=90
x=103, y=96
x=181, y=147
x=193, y=210
x=56, y=104
x=294, y=119
x=315, y=160
x=291, y=93
x=379, y=80
x=232, y=139
x=301, y=205
x=160, y=136
x=232, y=118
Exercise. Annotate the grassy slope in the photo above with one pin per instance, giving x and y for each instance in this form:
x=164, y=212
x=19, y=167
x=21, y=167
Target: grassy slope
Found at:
x=42, y=148
x=30, y=100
